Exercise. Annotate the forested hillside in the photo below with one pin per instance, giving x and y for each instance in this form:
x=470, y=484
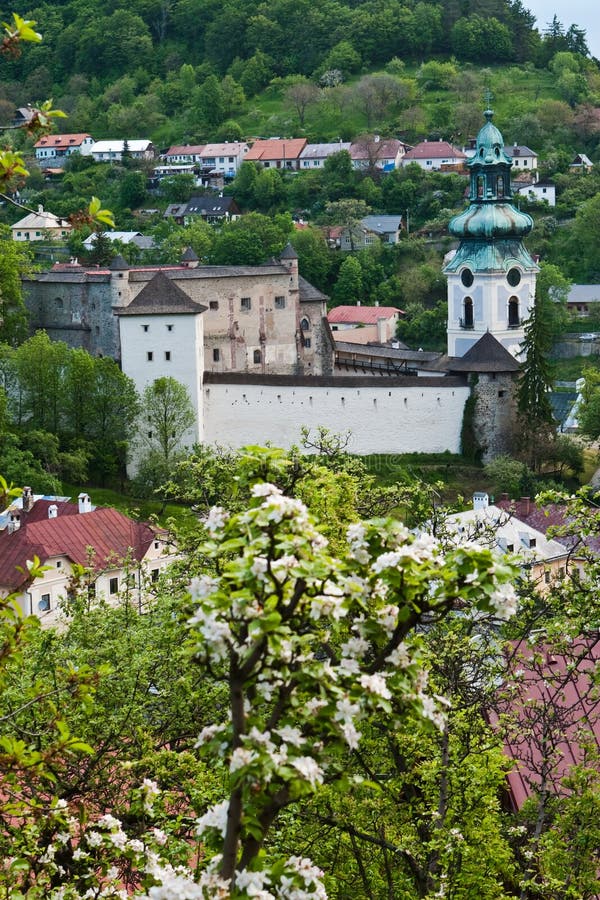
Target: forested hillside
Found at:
x=178, y=70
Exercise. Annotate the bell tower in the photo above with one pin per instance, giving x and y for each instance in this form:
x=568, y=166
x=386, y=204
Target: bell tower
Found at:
x=491, y=276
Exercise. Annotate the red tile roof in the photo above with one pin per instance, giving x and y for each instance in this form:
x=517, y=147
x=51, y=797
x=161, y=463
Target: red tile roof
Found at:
x=434, y=150
x=62, y=141
x=361, y=315
x=276, y=149
x=112, y=535
x=376, y=149
x=553, y=706
x=186, y=150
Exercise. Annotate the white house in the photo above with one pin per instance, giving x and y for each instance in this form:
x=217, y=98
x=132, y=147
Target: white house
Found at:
x=59, y=146
x=112, y=151
x=378, y=154
x=523, y=158
x=364, y=324
x=432, y=155
x=224, y=159
x=124, y=237
x=186, y=154
x=314, y=155
x=540, y=191
x=40, y=226
x=122, y=557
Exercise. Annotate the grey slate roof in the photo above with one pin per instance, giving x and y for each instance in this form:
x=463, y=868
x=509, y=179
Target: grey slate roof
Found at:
x=308, y=292
x=487, y=355
x=161, y=296
x=118, y=263
x=188, y=255
x=584, y=293
x=382, y=224
x=288, y=252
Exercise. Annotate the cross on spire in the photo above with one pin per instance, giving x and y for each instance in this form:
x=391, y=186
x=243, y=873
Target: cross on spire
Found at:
x=488, y=97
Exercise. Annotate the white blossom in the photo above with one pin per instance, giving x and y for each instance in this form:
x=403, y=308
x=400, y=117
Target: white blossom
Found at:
x=399, y=656
x=259, y=567
x=290, y=735
x=215, y=817
x=375, y=684
x=504, y=601
x=309, y=769
x=264, y=489
x=241, y=757
x=203, y=586
x=216, y=518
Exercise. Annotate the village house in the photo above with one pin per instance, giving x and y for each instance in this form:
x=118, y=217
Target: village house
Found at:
x=124, y=237
x=23, y=116
x=581, y=163
x=186, y=154
x=540, y=191
x=364, y=324
x=213, y=208
x=40, y=226
x=583, y=299
x=435, y=155
x=121, y=557
x=314, y=155
x=113, y=151
x=377, y=154
x=277, y=153
x=370, y=230
x=224, y=159
x=54, y=147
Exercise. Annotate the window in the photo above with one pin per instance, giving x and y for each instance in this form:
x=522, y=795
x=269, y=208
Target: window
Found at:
x=467, y=319
x=216, y=354
x=246, y=304
x=59, y=302
x=500, y=186
x=532, y=542
x=154, y=575
x=156, y=545
x=467, y=277
x=44, y=603
x=113, y=586
x=149, y=355
x=145, y=327
x=169, y=328
x=480, y=185
x=513, y=277
x=59, y=564
x=150, y=435
x=213, y=304
x=257, y=356
x=279, y=302
x=168, y=355
x=547, y=576
x=305, y=324
x=510, y=548
x=307, y=342
x=513, y=313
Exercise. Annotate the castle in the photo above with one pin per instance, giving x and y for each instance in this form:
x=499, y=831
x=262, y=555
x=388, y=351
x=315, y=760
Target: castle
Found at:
x=253, y=346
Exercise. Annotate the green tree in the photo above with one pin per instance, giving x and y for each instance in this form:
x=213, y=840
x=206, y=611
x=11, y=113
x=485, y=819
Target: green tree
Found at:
x=251, y=239
x=167, y=415
x=15, y=263
x=314, y=256
x=40, y=366
x=349, y=284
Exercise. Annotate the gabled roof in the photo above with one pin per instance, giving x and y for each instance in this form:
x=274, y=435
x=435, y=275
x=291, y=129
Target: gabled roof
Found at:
x=321, y=151
x=518, y=150
x=434, y=150
x=209, y=204
x=487, y=355
x=382, y=224
x=41, y=219
x=376, y=149
x=308, y=293
x=112, y=535
x=276, y=148
x=185, y=150
x=61, y=141
x=134, y=146
x=361, y=315
x=161, y=296
x=231, y=148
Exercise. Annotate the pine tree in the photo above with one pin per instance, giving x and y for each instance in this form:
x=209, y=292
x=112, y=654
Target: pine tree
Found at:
x=537, y=424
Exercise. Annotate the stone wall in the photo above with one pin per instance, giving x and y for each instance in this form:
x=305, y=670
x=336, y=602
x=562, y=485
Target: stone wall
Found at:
x=393, y=415
x=494, y=418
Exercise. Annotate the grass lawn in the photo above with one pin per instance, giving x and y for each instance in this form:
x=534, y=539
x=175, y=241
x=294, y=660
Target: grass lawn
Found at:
x=137, y=508
x=460, y=478
x=572, y=369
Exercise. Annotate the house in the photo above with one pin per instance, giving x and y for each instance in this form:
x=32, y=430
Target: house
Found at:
x=186, y=154
x=54, y=147
x=543, y=559
x=23, y=116
x=40, y=226
x=522, y=157
x=124, y=237
x=277, y=153
x=371, y=230
x=582, y=299
x=314, y=155
x=364, y=324
x=112, y=151
x=211, y=207
x=224, y=159
x=121, y=556
x=581, y=163
x=377, y=154
x=541, y=191
x=435, y=155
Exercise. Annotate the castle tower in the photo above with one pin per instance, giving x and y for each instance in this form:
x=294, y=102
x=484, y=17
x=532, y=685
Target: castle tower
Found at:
x=491, y=277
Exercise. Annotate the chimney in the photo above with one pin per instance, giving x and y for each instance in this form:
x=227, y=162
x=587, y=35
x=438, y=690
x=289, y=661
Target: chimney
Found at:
x=14, y=522
x=53, y=511
x=524, y=507
x=85, y=504
x=381, y=330
x=480, y=500
x=27, y=499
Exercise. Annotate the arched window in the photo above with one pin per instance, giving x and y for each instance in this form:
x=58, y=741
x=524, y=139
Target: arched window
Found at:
x=467, y=319
x=480, y=185
x=257, y=356
x=513, y=313
x=500, y=186
x=305, y=324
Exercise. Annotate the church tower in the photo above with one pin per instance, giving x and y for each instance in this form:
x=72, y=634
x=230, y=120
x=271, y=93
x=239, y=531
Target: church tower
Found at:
x=491, y=276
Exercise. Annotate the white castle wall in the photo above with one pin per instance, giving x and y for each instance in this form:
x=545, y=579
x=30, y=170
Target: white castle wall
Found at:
x=394, y=416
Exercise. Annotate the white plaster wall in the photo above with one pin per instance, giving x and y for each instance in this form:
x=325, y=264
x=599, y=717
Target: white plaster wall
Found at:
x=382, y=418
